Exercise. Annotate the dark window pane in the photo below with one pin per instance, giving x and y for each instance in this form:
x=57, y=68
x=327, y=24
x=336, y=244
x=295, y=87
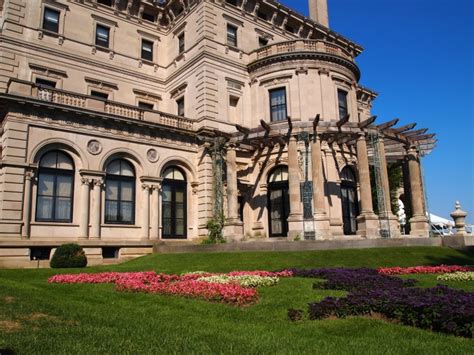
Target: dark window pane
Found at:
x=105, y=2
x=45, y=83
x=147, y=50
x=51, y=20
x=180, y=104
x=232, y=35
x=99, y=95
x=262, y=42
x=44, y=208
x=146, y=105
x=149, y=17
x=102, y=36
x=342, y=102
x=278, y=110
x=181, y=43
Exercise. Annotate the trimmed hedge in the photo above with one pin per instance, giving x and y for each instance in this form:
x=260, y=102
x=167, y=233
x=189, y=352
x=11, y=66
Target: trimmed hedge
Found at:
x=68, y=256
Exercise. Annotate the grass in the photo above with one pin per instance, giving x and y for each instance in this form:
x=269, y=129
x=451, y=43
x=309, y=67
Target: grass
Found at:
x=36, y=317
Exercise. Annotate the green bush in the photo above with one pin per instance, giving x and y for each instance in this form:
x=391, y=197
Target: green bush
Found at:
x=68, y=256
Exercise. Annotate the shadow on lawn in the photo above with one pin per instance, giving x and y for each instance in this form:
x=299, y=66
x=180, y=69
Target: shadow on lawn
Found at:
x=464, y=257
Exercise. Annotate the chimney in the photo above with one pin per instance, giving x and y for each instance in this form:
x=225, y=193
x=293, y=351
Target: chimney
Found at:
x=318, y=11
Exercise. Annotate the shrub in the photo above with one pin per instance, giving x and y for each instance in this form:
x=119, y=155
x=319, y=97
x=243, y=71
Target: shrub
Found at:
x=68, y=256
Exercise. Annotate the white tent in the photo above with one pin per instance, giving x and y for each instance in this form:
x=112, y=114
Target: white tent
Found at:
x=440, y=221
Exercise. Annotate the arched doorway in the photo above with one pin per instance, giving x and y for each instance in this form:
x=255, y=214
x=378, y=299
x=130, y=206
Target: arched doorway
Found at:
x=278, y=202
x=174, y=204
x=350, y=208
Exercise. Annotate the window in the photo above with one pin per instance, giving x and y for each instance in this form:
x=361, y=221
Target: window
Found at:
x=55, y=188
x=262, y=42
x=51, y=20
x=120, y=192
x=148, y=17
x=278, y=202
x=180, y=104
x=350, y=208
x=278, y=104
x=232, y=2
x=40, y=253
x=105, y=2
x=289, y=28
x=145, y=105
x=102, y=36
x=45, y=83
x=181, y=43
x=99, y=95
x=174, y=204
x=262, y=15
x=232, y=35
x=342, y=103
x=147, y=50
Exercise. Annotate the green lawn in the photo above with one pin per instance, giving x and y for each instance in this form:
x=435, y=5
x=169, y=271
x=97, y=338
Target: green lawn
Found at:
x=36, y=317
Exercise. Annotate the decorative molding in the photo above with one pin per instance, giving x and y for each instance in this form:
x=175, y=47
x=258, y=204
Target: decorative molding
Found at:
x=274, y=80
x=152, y=155
x=94, y=147
x=101, y=83
x=36, y=68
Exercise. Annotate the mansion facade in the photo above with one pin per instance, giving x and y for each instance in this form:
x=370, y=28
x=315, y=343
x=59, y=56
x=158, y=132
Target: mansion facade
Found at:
x=129, y=122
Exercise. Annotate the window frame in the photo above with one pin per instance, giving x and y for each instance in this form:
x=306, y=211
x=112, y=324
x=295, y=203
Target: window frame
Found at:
x=181, y=43
x=56, y=172
x=270, y=91
x=346, y=102
x=175, y=186
x=232, y=39
x=44, y=22
x=96, y=37
x=120, y=179
x=142, y=51
x=178, y=102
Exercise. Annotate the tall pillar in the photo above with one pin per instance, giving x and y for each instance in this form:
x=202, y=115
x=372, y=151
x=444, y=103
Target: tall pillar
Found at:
x=145, y=211
x=233, y=229
x=295, y=219
x=25, y=233
x=385, y=211
x=321, y=218
x=367, y=221
x=84, y=206
x=96, y=208
x=419, y=225
x=155, y=211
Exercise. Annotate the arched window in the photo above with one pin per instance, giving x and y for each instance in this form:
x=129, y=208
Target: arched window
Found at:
x=120, y=192
x=55, y=188
x=278, y=202
x=350, y=208
x=174, y=204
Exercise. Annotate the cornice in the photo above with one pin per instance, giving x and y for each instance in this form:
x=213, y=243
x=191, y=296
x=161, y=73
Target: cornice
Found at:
x=284, y=57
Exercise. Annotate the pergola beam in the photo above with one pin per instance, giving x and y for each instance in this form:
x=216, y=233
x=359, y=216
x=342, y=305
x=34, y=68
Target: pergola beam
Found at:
x=388, y=124
x=242, y=129
x=342, y=122
x=423, y=137
x=416, y=133
x=316, y=122
x=405, y=128
x=367, y=122
x=265, y=126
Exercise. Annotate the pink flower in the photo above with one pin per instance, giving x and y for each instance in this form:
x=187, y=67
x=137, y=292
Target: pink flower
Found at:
x=441, y=269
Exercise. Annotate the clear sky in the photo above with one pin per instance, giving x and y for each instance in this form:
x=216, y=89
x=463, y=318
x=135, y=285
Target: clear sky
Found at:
x=419, y=57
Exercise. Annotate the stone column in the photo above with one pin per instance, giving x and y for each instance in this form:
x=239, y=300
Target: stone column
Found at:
x=419, y=225
x=84, y=206
x=367, y=221
x=295, y=219
x=96, y=208
x=146, y=211
x=25, y=233
x=233, y=229
x=321, y=218
x=385, y=211
x=155, y=211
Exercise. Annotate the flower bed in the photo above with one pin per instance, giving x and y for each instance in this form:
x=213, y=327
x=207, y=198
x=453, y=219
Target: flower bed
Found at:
x=439, y=308
x=236, y=288
x=441, y=269
x=457, y=276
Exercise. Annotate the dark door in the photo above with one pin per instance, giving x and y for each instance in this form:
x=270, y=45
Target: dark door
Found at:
x=349, y=208
x=278, y=208
x=174, y=209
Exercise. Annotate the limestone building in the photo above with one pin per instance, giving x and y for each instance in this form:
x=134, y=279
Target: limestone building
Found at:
x=126, y=122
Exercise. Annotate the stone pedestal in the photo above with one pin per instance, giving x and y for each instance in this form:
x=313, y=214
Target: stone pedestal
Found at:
x=234, y=231
x=368, y=226
x=459, y=217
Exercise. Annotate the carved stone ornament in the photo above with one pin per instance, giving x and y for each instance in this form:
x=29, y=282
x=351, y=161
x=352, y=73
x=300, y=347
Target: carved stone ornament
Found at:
x=94, y=147
x=152, y=155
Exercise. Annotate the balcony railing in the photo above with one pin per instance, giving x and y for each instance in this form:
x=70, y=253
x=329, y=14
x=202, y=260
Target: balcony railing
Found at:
x=300, y=46
x=110, y=107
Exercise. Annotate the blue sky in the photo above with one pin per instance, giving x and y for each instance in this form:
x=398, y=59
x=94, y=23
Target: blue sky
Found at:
x=419, y=57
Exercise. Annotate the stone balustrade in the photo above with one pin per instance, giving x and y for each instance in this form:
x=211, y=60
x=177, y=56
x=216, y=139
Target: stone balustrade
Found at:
x=300, y=46
x=56, y=96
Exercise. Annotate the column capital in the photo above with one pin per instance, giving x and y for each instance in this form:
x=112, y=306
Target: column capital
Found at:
x=30, y=173
x=98, y=182
x=86, y=181
x=147, y=187
x=361, y=135
x=231, y=146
